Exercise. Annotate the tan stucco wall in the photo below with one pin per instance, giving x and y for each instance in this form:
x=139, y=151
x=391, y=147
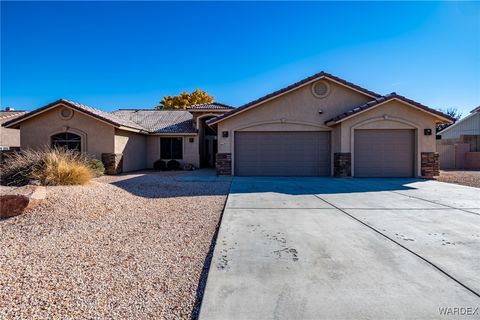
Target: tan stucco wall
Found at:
x=294, y=111
x=190, y=150
x=391, y=115
x=298, y=111
x=98, y=137
x=134, y=148
x=9, y=137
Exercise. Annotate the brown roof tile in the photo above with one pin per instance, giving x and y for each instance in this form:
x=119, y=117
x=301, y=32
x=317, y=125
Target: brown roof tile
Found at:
x=102, y=115
x=159, y=121
x=382, y=99
x=210, y=106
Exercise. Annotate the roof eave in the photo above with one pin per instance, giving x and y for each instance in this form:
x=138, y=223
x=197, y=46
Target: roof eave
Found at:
x=445, y=119
x=208, y=110
x=126, y=128
x=52, y=105
x=173, y=133
x=15, y=123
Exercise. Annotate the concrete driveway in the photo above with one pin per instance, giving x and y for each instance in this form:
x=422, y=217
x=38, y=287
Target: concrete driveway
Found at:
x=325, y=248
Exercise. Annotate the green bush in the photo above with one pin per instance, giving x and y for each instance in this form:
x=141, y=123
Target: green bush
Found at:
x=160, y=165
x=97, y=167
x=173, y=165
x=49, y=166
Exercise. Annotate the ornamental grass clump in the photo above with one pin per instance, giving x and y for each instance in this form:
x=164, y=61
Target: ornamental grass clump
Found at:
x=61, y=168
x=50, y=167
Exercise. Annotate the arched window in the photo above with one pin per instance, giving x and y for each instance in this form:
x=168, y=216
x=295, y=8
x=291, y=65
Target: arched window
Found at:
x=68, y=140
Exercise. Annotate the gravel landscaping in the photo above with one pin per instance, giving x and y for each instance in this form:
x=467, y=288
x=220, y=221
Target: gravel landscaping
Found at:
x=466, y=178
x=122, y=247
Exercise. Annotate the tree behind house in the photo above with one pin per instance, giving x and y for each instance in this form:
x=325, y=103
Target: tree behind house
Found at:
x=452, y=112
x=183, y=100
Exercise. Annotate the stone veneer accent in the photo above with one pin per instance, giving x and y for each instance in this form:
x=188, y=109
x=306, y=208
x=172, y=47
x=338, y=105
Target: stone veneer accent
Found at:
x=430, y=165
x=113, y=162
x=223, y=164
x=342, y=164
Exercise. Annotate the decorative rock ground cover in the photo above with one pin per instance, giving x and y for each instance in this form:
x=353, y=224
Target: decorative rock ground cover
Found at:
x=122, y=247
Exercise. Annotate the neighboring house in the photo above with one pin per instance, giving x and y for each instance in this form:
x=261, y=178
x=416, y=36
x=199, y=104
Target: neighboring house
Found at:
x=459, y=146
x=9, y=138
x=468, y=126
x=320, y=126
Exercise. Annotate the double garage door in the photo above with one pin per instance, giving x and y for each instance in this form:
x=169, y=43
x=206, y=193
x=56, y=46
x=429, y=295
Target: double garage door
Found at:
x=304, y=153
x=377, y=153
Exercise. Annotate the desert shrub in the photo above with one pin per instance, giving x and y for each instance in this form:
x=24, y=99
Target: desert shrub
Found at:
x=18, y=168
x=48, y=166
x=97, y=167
x=160, y=165
x=173, y=165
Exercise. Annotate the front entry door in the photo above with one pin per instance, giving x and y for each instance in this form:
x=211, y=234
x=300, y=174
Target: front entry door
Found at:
x=210, y=151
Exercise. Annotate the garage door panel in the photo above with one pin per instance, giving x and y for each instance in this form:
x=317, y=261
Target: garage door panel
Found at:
x=282, y=153
x=384, y=153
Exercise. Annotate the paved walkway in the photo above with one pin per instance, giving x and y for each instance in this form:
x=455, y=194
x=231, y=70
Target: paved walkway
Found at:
x=325, y=248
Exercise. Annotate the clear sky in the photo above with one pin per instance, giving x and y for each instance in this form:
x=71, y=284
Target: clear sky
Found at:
x=129, y=55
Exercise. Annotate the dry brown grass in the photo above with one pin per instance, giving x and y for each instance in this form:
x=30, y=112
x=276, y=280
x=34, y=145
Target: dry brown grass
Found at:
x=59, y=169
x=50, y=167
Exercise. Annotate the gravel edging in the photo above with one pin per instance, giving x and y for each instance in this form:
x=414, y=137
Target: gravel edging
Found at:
x=202, y=282
x=465, y=178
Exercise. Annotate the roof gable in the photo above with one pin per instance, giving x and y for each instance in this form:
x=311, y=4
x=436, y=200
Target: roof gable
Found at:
x=92, y=112
x=294, y=86
x=384, y=99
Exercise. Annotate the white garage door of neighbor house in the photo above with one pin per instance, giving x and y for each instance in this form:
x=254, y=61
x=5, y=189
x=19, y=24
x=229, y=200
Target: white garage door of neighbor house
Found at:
x=384, y=153
x=301, y=153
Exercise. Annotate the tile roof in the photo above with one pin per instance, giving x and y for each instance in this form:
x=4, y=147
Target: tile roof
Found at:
x=210, y=106
x=10, y=115
x=102, y=115
x=382, y=99
x=295, y=85
x=159, y=121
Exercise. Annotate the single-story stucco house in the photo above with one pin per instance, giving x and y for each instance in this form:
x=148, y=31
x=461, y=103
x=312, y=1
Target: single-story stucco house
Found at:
x=319, y=126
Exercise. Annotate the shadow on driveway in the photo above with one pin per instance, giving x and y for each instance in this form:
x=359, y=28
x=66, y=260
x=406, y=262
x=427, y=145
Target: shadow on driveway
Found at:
x=170, y=184
x=204, y=182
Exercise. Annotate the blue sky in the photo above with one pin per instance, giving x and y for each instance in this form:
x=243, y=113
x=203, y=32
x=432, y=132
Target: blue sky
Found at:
x=129, y=55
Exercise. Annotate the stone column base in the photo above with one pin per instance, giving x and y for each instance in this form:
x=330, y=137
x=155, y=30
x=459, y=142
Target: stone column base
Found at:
x=430, y=166
x=342, y=164
x=223, y=164
x=113, y=163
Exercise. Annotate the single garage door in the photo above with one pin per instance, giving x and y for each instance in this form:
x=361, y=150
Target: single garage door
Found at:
x=384, y=153
x=305, y=153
